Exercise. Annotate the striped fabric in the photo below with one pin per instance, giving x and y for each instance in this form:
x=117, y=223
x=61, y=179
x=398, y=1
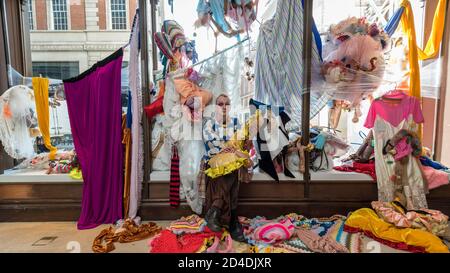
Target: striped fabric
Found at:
x=174, y=187
x=279, y=63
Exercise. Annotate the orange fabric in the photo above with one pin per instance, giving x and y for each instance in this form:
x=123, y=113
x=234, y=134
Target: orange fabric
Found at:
x=188, y=89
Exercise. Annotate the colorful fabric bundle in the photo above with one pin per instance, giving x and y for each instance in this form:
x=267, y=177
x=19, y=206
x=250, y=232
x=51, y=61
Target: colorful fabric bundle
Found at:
x=414, y=240
x=193, y=97
x=316, y=243
x=189, y=224
x=355, y=61
x=166, y=53
x=174, y=192
x=129, y=232
x=295, y=245
x=226, y=163
x=175, y=33
x=259, y=230
x=168, y=242
x=352, y=241
x=433, y=221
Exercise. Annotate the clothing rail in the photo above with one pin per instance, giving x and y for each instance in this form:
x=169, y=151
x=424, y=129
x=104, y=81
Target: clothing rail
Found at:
x=205, y=60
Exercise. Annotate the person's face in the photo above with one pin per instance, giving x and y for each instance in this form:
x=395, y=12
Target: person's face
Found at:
x=223, y=104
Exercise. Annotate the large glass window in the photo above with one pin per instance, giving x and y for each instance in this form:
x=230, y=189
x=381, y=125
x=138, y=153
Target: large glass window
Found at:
x=59, y=8
x=118, y=14
x=56, y=70
x=30, y=14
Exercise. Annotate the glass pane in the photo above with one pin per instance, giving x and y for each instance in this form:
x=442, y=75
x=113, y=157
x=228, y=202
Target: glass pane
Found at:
x=64, y=54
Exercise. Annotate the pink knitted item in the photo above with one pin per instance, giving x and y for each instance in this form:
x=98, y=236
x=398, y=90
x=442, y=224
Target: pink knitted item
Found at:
x=273, y=232
x=402, y=149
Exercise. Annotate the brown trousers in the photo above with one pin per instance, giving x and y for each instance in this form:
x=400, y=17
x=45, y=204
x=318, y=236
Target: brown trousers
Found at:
x=222, y=192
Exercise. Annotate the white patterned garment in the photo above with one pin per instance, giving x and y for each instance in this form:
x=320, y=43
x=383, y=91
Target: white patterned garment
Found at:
x=137, y=157
x=279, y=63
x=387, y=120
x=18, y=101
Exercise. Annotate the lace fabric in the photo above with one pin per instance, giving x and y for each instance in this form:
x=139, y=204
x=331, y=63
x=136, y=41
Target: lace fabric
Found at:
x=16, y=110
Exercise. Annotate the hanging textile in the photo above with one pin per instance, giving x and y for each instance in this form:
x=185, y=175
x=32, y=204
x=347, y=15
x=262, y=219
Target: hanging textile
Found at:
x=174, y=193
x=137, y=143
x=126, y=141
x=16, y=116
x=94, y=106
x=432, y=46
x=279, y=62
x=40, y=87
x=393, y=23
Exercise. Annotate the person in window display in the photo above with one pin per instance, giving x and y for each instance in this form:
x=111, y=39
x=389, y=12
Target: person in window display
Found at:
x=222, y=191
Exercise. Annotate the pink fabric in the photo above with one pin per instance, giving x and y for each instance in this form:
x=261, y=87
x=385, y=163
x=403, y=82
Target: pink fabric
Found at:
x=402, y=149
x=394, y=113
x=273, y=232
x=435, y=178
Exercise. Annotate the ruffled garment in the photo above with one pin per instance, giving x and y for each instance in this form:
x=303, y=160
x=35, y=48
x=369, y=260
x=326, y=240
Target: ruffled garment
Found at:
x=414, y=240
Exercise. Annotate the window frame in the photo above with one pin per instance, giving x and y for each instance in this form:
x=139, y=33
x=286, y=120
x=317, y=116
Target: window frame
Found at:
x=50, y=16
x=109, y=24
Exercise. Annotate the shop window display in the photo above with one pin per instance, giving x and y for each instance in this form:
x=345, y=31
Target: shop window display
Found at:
x=224, y=108
x=55, y=63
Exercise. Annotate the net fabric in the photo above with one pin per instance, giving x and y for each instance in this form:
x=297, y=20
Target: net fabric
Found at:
x=17, y=110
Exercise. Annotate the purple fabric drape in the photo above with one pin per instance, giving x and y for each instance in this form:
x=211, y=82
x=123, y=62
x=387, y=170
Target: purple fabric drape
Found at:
x=95, y=114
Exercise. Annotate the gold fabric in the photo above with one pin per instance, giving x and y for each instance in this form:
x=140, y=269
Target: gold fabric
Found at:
x=40, y=87
x=129, y=232
x=366, y=219
x=126, y=141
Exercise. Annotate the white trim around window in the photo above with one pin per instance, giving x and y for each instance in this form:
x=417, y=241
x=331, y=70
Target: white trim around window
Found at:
x=50, y=18
x=109, y=15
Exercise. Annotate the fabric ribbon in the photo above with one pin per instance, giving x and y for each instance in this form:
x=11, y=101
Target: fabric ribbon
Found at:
x=40, y=87
x=432, y=46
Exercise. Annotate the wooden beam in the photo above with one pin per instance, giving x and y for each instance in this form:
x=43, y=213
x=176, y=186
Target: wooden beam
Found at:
x=306, y=98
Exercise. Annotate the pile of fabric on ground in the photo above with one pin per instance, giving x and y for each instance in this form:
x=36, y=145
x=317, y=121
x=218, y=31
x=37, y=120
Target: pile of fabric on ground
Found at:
x=388, y=223
x=125, y=232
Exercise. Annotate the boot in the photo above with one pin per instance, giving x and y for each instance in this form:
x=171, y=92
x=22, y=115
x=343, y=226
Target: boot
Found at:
x=212, y=219
x=236, y=230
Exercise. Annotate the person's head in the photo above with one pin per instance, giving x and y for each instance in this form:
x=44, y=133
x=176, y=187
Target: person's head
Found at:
x=223, y=103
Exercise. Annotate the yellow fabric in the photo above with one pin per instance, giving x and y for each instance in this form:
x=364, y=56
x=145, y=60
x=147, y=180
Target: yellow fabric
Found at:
x=40, y=87
x=437, y=31
x=367, y=220
x=415, y=53
x=221, y=170
x=126, y=141
x=226, y=163
x=75, y=173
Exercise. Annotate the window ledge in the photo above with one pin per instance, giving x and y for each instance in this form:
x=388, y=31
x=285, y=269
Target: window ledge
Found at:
x=26, y=176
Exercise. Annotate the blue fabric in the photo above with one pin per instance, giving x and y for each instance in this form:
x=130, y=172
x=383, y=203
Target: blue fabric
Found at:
x=316, y=35
x=392, y=25
x=171, y=5
x=430, y=163
x=129, y=115
x=217, y=8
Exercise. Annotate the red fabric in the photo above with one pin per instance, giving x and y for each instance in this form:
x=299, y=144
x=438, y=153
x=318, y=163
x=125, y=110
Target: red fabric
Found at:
x=174, y=186
x=168, y=242
x=396, y=245
x=367, y=168
x=154, y=108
